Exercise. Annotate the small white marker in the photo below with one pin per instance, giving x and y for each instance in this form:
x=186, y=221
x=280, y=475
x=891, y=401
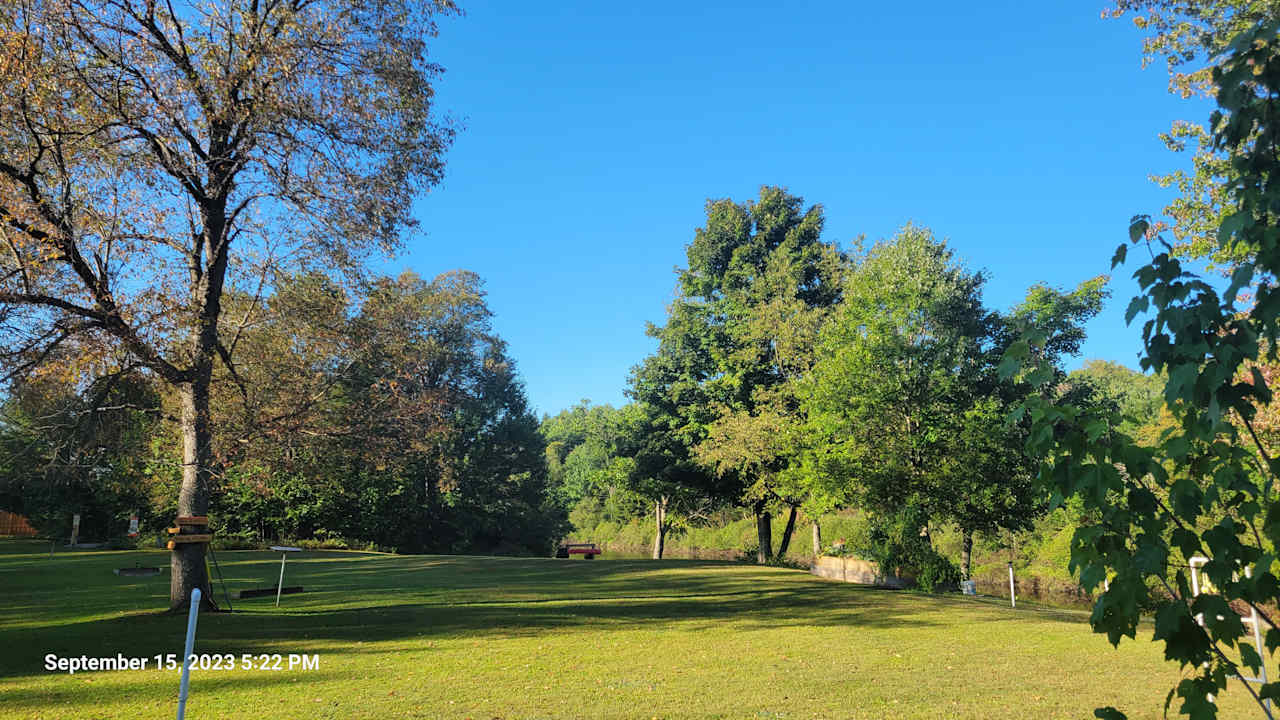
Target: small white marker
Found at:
x=284, y=551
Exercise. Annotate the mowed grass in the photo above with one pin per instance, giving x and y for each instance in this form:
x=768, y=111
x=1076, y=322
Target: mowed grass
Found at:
x=477, y=637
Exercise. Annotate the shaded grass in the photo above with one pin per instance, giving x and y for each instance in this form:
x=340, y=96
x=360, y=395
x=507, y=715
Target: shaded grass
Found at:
x=436, y=636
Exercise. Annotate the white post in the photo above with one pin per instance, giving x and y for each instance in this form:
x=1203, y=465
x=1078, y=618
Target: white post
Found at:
x=192, y=616
x=1196, y=562
x=1013, y=600
x=280, y=584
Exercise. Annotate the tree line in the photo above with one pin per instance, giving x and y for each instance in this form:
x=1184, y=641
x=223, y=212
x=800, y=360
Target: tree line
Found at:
x=793, y=375
x=188, y=325
x=395, y=418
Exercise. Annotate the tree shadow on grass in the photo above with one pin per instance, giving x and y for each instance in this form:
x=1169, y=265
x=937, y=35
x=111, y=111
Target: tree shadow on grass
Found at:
x=265, y=629
x=142, y=688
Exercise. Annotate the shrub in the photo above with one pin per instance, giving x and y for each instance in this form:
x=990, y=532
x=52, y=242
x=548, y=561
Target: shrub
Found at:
x=894, y=542
x=936, y=573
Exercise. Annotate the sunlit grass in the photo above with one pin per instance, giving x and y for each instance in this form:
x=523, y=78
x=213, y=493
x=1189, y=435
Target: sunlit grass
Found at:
x=457, y=637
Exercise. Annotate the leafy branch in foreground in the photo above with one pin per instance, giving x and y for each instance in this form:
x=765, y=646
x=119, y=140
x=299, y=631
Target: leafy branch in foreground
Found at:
x=1207, y=485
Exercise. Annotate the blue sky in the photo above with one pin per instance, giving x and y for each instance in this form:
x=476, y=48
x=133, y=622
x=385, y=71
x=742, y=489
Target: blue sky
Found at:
x=593, y=134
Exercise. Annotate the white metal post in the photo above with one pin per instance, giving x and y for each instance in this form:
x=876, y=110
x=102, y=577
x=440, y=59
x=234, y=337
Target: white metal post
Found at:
x=284, y=551
x=1013, y=600
x=1196, y=562
x=280, y=584
x=192, y=616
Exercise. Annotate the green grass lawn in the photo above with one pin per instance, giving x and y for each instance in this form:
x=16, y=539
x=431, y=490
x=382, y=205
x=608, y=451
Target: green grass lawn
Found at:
x=475, y=637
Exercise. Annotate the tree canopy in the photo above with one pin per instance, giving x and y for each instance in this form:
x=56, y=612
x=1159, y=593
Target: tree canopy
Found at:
x=745, y=309
x=154, y=159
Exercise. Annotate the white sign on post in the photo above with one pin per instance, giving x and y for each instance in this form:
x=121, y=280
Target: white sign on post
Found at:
x=284, y=551
x=75, y=528
x=133, y=525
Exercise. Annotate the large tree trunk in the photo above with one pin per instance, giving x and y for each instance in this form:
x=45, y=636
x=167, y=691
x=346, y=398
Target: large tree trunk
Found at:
x=786, y=533
x=817, y=539
x=660, y=517
x=966, y=554
x=764, y=534
x=186, y=562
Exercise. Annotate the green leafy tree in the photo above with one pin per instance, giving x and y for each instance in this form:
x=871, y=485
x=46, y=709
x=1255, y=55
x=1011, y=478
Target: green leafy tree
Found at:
x=1138, y=397
x=896, y=362
x=718, y=378
x=66, y=450
x=581, y=443
x=396, y=419
x=905, y=407
x=156, y=156
x=1205, y=486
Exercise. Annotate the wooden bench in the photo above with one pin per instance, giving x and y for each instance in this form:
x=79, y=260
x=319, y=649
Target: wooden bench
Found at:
x=587, y=550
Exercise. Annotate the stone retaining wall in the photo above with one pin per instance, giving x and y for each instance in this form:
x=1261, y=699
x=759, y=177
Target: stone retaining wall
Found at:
x=853, y=570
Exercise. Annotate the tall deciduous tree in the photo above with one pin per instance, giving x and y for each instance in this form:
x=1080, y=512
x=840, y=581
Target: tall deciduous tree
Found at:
x=894, y=364
x=661, y=472
x=153, y=157
x=905, y=407
x=716, y=378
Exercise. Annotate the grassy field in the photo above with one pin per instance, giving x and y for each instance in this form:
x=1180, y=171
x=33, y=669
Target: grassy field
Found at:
x=474, y=637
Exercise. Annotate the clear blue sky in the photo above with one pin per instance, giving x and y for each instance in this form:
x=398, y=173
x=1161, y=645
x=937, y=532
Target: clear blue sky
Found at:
x=595, y=132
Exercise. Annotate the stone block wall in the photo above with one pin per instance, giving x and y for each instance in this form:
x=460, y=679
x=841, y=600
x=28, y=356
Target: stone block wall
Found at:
x=854, y=570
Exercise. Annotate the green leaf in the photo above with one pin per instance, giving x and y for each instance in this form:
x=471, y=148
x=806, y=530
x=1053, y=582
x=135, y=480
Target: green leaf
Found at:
x=1271, y=525
x=1137, y=305
x=1195, y=698
x=1181, y=383
x=1055, y=500
x=1142, y=501
x=1009, y=366
x=1138, y=227
x=1151, y=557
x=1183, y=637
x=1145, y=275
x=1122, y=252
x=1187, y=542
x=1249, y=657
x=1016, y=415
x=1240, y=278
x=1041, y=375
x=1036, y=336
x=1231, y=224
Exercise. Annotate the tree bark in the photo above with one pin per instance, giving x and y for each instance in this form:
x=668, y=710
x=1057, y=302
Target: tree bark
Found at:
x=786, y=532
x=966, y=554
x=764, y=533
x=186, y=561
x=817, y=539
x=660, y=537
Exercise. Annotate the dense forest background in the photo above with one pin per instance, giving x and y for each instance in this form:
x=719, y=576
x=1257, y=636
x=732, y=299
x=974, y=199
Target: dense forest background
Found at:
x=394, y=420
x=850, y=393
